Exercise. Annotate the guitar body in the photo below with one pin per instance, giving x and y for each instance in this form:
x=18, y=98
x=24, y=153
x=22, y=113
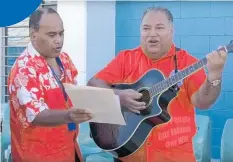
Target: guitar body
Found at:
x=123, y=140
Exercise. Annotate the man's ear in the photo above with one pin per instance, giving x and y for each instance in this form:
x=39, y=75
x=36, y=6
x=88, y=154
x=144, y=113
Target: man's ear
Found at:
x=172, y=30
x=32, y=34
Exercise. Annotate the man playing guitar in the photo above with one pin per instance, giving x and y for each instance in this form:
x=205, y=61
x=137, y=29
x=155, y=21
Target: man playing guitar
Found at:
x=172, y=141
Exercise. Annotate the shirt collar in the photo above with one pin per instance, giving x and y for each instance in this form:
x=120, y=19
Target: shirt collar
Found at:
x=31, y=50
x=171, y=51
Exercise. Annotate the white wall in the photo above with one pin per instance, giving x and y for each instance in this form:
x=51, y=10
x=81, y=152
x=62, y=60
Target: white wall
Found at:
x=100, y=35
x=89, y=34
x=73, y=14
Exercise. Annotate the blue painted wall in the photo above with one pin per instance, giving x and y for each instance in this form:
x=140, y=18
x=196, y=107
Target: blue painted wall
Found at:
x=200, y=27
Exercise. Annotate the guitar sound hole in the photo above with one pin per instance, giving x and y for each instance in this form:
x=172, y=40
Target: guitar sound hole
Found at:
x=147, y=99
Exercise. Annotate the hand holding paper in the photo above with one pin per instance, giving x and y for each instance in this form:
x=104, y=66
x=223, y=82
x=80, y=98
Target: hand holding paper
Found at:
x=103, y=103
x=78, y=115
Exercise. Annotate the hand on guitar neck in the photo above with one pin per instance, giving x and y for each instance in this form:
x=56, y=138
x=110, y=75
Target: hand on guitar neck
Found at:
x=128, y=99
x=210, y=90
x=215, y=63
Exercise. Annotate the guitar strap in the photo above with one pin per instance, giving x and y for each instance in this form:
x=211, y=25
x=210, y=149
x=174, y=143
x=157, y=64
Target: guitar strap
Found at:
x=175, y=87
x=175, y=60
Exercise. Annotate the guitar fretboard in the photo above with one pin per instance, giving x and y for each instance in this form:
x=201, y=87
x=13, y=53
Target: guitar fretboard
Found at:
x=165, y=84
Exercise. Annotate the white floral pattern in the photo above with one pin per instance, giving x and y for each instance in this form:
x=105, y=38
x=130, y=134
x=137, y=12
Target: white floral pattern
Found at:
x=68, y=73
x=40, y=63
x=24, y=96
x=30, y=114
x=32, y=72
x=30, y=79
x=21, y=63
x=21, y=80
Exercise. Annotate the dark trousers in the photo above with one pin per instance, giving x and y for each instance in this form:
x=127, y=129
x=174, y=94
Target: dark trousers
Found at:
x=76, y=157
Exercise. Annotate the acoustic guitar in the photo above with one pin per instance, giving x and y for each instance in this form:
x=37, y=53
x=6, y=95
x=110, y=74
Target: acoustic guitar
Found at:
x=157, y=92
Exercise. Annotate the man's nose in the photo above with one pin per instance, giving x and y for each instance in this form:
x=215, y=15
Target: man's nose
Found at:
x=153, y=32
x=58, y=39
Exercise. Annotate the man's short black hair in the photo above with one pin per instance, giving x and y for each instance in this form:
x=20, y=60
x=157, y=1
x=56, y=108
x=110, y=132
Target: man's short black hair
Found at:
x=34, y=20
x=161, y=9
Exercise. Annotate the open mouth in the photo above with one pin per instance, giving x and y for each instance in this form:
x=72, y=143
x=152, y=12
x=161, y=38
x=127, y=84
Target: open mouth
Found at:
x=153, y=42
x=58, y=48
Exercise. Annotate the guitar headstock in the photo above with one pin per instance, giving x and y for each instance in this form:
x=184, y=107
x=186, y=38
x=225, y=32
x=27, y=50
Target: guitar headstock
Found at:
x=229, y=47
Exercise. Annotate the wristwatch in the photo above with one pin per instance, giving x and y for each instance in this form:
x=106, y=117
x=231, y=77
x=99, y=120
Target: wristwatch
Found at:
x=216, y=82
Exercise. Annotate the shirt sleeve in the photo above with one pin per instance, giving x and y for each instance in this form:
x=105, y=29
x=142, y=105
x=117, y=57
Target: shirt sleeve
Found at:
x=194, y=81
x=26, y=95
x=114, y=71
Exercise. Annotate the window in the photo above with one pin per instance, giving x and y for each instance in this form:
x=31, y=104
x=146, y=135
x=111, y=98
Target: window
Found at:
x=14, y=40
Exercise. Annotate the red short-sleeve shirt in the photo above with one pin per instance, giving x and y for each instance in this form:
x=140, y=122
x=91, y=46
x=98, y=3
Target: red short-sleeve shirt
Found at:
x=173, y=140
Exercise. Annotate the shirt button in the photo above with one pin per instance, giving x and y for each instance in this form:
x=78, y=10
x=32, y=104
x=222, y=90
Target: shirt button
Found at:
x=148, y=143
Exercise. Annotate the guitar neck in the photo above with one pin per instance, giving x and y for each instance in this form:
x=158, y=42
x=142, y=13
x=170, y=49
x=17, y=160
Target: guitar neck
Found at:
x=165, y=84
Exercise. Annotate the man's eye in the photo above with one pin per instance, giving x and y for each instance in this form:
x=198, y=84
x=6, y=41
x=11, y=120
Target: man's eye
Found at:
x=160, y=27
x=51, y=35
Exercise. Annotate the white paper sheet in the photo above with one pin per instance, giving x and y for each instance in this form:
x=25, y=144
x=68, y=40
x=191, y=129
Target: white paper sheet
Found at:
x=102, y=102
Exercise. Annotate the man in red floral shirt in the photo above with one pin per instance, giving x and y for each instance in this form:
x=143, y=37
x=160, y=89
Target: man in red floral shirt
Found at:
x=44, y=125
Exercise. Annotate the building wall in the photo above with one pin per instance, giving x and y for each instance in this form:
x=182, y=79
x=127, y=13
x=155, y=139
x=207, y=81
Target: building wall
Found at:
x=100, y=35
x=200, y=27
x=75, y=34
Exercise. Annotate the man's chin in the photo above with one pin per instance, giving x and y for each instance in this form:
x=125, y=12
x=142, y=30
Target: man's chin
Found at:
x=153, y=51
x=56, y=54
x=153, y=48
